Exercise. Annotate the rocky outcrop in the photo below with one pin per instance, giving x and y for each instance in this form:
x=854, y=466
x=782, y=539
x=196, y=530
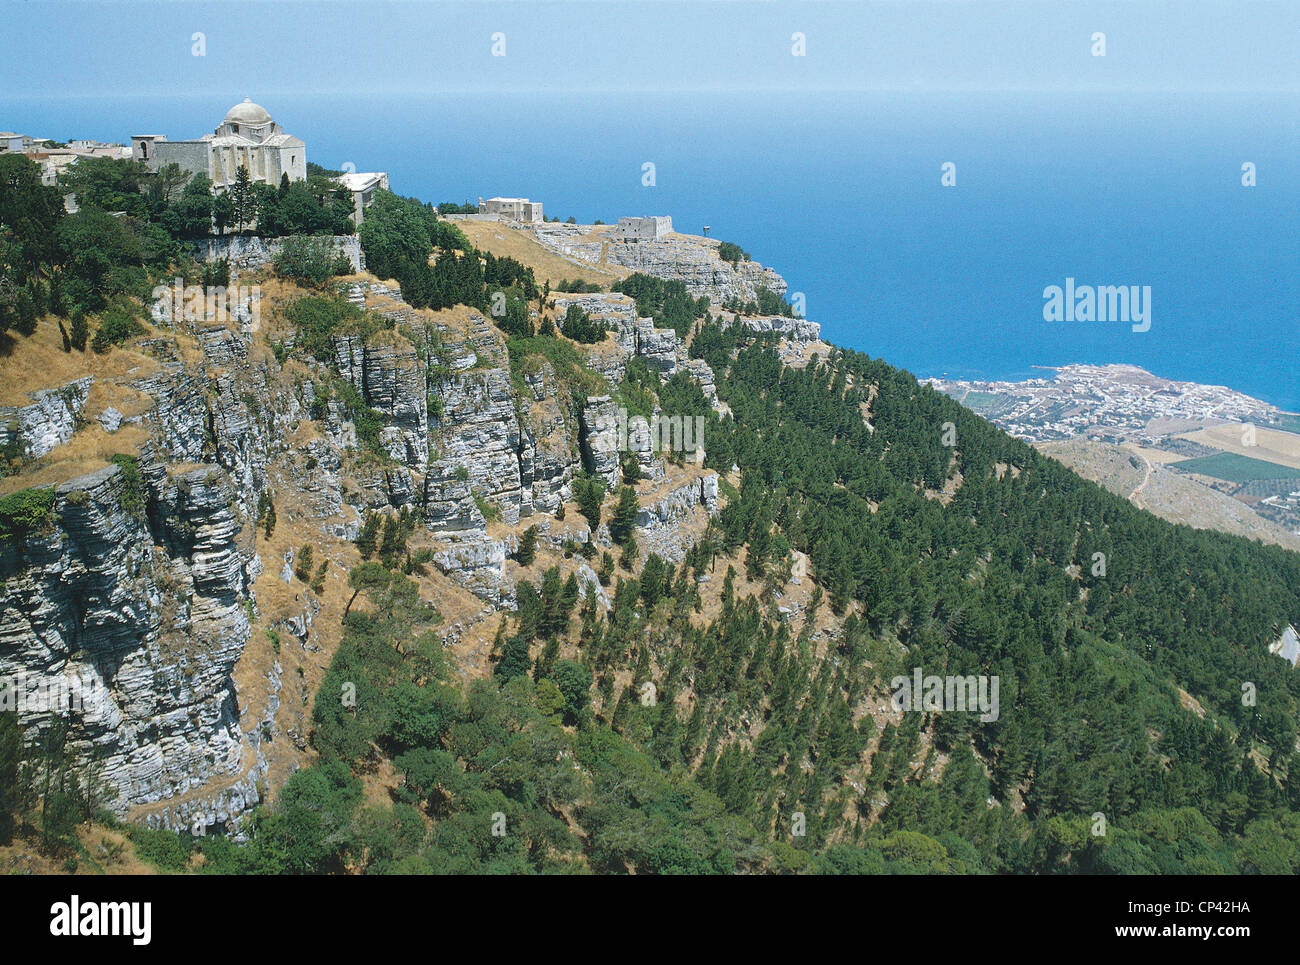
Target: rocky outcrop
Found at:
x=147, y=595
x=479, y=564
x=599, y=438
x=136, y=593
x=388, y=373
x=548, y=454
x=702, y=372
x=689, y=259
x=616, y=310
x=695, y=262
x=478, y=436
x=37, y=429
x=658, y=346
x=449, y=500
x=661, y=521
x=796, y=329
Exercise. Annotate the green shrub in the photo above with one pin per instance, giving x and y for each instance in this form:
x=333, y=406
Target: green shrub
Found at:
x=319, y=318
x=310, y=260
x=491, y=511
x=26, y=511
x=132, y=483
x=116, y=325
x=732, y=253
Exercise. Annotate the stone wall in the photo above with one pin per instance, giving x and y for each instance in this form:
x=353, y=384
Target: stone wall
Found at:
x=247, y=253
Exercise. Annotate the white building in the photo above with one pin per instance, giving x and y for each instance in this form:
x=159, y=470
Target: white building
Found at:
x=246, y=138
x=512, y=209
x=363, y=188
x=644, y=229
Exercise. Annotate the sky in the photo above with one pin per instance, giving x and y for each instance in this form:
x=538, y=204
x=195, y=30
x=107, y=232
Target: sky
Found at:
x=111, y=48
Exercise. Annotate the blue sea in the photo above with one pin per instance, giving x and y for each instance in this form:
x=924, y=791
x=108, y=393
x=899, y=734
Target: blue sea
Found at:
x=841, y=194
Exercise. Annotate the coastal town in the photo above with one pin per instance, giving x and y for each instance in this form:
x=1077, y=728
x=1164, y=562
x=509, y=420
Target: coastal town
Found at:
x=1107, y=403
x=1221, y=439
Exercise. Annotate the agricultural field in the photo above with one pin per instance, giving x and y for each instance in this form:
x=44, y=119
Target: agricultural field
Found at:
x=1289, y=421
x=1269, y=445
x=1236, y=468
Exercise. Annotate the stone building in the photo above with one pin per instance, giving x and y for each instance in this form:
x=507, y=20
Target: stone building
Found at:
x=11, y=143
x=246, y=138
x=512, y=209
x=644, y=229
x=362, y=188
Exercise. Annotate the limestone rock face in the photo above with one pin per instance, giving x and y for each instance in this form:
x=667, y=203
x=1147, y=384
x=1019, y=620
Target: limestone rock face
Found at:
x=449, y=501
x=179, y=419
x=695, y=262
x=480, y=564
x=689, y=259
x=36, y=429
x=479, y=433
x=658, y=346
x=148, y=637
x=392, y=381
x=702, y=372
x=796, y=329
x=599, y=439
x=660, y=522
x=548, y=455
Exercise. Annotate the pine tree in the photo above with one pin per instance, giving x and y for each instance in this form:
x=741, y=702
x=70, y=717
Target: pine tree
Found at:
x=25, y=310
x=242, y=200
x=624, y=521
x=393, y=543
x=368, y=538
x=58, y=302
x=589, y=492
x=80, y=330
x=514, y=661
x=303, y=563
x=630, y=551
x=527, y=547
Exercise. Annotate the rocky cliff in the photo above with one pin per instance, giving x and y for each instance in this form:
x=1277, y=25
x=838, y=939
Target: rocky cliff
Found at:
x=132, y=609
x=690, y=259
x=162, y=584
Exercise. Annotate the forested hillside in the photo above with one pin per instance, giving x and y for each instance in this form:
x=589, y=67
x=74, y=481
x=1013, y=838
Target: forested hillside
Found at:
x=1121, y=686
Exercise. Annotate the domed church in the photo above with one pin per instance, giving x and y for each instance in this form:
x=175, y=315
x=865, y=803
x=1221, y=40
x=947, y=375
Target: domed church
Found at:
x=246, y=138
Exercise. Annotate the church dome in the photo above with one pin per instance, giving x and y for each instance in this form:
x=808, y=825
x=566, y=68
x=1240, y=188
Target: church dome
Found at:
x=247, y=113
